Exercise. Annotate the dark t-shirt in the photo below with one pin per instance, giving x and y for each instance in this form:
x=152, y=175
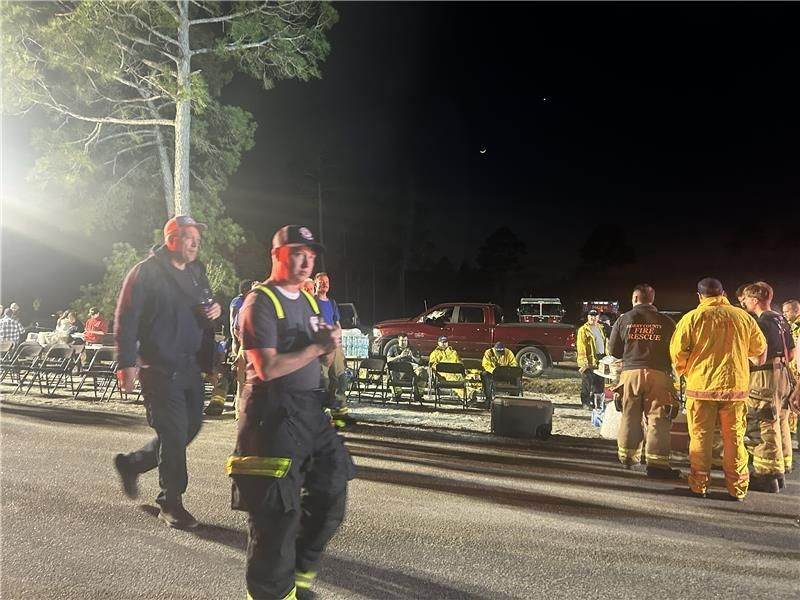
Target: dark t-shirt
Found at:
x=771, y=325
x=260, y=327
x=186, y=313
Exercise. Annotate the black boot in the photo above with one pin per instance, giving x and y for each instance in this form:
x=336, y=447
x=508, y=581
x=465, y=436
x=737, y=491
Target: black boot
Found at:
x=764, y=483
x=663, y=473
x=176, y=516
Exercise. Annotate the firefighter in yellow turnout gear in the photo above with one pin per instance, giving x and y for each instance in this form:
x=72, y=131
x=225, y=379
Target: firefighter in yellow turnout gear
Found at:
x=496, y=356
x=591, y=345
x=444, y=353
x=641, y=337
x=711, y=347
x=791, y=312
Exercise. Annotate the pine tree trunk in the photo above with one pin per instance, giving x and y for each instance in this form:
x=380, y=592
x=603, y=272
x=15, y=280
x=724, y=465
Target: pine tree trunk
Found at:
x=183, y=114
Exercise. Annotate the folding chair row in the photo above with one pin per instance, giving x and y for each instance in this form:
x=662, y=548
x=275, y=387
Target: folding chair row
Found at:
x=50, y=369
x=16, y=366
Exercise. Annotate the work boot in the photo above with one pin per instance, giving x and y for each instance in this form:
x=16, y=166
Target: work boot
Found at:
x=764, y=483
x=781, y=482
x=698, y=494
x=127, y=477
x=306, y=594
x=636, y=467
x=343, y=421
x=663, y=473
x=214, y=409
x=176, y=516
x=735, y=498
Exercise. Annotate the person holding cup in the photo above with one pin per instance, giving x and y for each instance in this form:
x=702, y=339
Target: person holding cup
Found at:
x=162, y=313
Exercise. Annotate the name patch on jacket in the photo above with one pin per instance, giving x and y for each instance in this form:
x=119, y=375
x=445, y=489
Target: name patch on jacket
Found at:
x=644, y=331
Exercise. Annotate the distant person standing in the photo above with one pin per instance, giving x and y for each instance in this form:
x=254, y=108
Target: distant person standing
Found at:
x=163, y=309
x=95, y=328
x=216, y=408
x=641, y=338
x=309, y=286
x=334, y=376
x=711, y=347
x=11, y=330
x=591, y=346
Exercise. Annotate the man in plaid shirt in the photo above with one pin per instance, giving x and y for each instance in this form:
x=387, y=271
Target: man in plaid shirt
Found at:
x=10, y=328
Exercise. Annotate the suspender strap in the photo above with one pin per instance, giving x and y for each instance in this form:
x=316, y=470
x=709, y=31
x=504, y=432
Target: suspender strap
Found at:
x=277, y=303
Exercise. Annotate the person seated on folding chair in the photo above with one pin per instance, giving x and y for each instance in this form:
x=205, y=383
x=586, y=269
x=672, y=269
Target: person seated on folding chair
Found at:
x=405, y=352
x=496, y=356
x=444, y=353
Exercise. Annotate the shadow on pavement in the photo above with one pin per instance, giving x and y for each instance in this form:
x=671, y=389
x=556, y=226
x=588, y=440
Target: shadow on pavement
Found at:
x=71, y=415
x=371, y=581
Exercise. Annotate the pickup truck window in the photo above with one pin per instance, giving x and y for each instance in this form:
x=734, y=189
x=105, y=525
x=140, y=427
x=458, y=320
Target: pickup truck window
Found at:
x=444, y=315
x=470, y=314
x=498, y=315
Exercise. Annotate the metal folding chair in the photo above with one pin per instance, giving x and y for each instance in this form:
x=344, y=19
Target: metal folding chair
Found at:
x=457, y=381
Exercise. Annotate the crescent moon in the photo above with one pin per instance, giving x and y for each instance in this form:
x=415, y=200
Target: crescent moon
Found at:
x=483, y=150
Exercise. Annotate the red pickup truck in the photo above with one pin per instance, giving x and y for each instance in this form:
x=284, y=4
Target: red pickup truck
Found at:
x=473, y=327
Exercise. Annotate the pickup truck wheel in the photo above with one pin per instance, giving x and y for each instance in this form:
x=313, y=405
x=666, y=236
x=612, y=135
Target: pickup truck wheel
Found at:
x=532, y=361
x=390, y=344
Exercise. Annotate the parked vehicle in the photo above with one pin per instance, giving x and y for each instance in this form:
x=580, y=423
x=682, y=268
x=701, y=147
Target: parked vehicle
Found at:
x=540, y=310
x=349, y=316
x=473, y=327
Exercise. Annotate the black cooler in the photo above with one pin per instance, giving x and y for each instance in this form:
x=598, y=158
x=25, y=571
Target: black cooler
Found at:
x=516, y=416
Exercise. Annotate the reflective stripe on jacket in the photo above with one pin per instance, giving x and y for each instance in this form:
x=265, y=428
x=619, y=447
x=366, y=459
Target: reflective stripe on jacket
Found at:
x=711, y=346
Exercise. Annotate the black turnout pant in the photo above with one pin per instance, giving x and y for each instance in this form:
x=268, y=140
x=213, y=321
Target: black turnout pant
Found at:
x=590, y=384
x=295, y=515
x=174, y=405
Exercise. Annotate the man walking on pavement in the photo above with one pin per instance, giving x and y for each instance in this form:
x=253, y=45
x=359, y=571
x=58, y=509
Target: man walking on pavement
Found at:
x=290, y=468
x=162, y=311
x=641, y=337
x=334, y=376
x=591, y=346
x=711, y=347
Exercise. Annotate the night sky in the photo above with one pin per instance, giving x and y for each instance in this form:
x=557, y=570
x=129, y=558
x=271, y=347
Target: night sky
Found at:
x=671, y=127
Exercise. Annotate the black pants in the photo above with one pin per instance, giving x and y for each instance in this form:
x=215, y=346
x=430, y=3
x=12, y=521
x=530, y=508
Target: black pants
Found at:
x=293, y=517
x=487, y=379
x=590, y=384
x=174, y=405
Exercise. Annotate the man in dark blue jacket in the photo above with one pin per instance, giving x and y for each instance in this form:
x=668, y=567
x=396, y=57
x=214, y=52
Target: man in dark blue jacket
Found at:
x=164, y=313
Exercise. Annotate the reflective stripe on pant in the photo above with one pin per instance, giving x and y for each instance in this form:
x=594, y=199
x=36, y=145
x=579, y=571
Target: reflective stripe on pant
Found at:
x=701, y=417
x=786, y=439
x=645, y=392
x=763, y=423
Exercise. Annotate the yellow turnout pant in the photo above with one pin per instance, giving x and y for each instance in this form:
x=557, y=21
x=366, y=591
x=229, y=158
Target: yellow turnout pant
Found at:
x=701, y=416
